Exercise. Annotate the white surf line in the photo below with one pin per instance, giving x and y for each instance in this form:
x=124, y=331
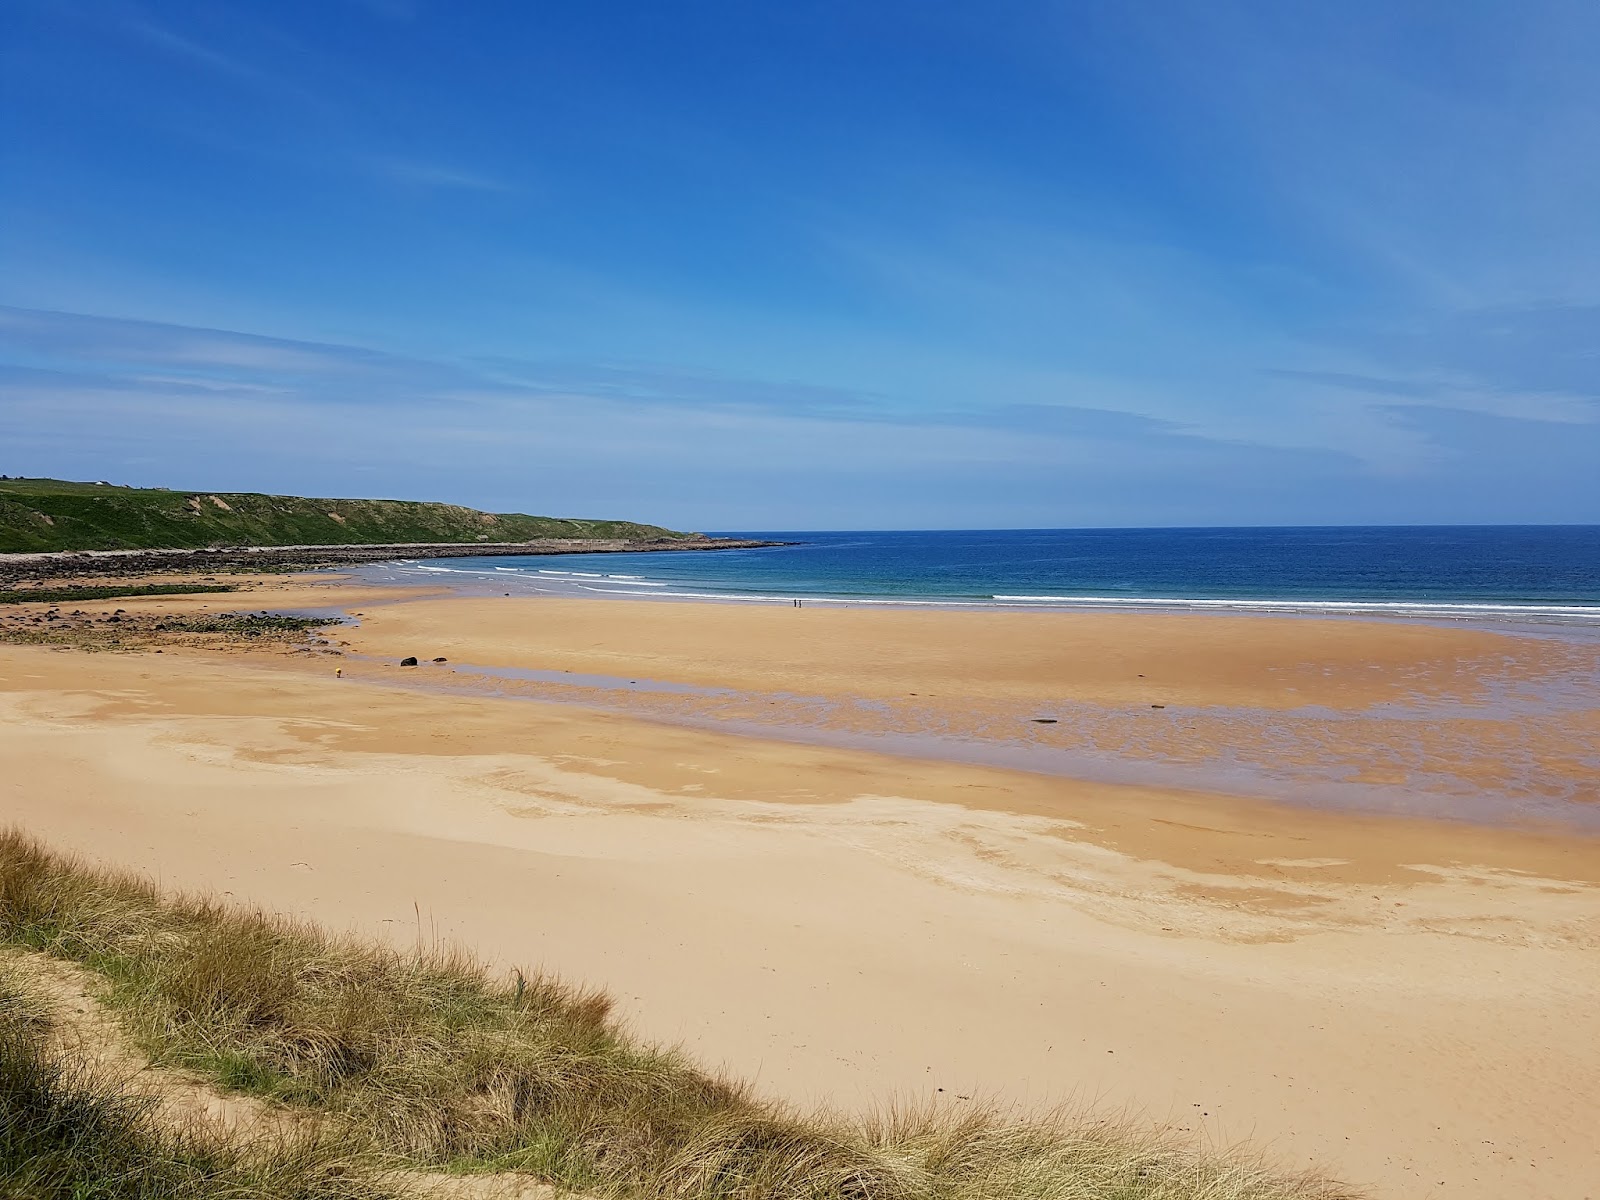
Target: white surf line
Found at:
x=691, y=595
x=748, y=599
x=457, y=571
x=1586, y=614
x=1426, y=607
x=1418, y=608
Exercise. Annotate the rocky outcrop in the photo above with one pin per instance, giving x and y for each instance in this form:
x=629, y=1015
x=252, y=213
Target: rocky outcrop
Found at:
x=71, y=563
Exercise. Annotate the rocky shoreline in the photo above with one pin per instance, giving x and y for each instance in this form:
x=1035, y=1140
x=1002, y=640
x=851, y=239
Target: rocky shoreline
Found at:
x=19, y=568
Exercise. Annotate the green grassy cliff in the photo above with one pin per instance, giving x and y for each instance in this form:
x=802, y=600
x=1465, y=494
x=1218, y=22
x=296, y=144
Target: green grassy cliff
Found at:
x=53, y=514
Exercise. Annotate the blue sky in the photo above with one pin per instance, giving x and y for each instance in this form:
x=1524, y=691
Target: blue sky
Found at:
x=813, y=264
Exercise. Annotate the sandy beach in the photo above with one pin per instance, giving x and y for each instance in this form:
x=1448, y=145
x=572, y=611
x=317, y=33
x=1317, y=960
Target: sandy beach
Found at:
x=1328, y=887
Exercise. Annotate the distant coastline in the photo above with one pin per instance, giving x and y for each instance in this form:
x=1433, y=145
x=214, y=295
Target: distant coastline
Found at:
x=123, y=563
x=55, y=528
x=45, y=515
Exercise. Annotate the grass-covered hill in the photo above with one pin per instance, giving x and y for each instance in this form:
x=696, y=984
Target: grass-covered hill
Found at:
x=53, y=514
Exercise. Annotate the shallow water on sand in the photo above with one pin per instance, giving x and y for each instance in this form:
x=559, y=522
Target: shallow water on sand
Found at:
x=1528, y=760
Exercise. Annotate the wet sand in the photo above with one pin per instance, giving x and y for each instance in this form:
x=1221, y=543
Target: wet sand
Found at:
x=1406, y=1003
x=1395, y=716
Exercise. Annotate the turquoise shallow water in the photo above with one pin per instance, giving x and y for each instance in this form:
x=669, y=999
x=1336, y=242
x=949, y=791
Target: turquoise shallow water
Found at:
x=1550, y=572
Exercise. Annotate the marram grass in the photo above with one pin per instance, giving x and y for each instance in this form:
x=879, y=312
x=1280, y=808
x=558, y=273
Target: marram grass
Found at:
x=429, y=1059
x=72, y=1129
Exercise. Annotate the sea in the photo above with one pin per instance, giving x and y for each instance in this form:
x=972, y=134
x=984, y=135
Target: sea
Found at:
x=1545, y=574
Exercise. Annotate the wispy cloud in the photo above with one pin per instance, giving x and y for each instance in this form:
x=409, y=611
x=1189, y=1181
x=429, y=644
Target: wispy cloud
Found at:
x=88, y=355
x=391, y=10
x=241, y=69
x=435, y=175
x=116, y=342
x=204, y=407
x=192, y=51
x=1523, y=362
x=651, y=384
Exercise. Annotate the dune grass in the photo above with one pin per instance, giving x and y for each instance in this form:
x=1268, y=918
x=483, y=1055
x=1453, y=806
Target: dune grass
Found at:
x=72, y=1130
x=430, y=1057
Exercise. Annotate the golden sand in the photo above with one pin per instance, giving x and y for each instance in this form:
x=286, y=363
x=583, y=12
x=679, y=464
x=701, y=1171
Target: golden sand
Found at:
x=1406, y=1003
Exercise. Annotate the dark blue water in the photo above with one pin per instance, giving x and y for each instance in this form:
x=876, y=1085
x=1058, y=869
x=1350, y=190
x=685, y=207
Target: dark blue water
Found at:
x=1554, y=568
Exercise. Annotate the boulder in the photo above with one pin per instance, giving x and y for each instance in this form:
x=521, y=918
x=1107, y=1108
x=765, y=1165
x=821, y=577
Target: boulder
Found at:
x=408, y=662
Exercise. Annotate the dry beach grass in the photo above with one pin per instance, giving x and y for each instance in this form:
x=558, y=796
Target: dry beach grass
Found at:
x=426, y=1059
x=72, y=1126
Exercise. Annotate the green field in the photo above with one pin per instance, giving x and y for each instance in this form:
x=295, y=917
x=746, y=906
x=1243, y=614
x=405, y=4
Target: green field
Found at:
x=54, y=514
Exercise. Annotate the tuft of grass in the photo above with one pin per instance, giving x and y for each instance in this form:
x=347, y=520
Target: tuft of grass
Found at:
x=110, y=591
x=70, y=1130
x=429, y=1057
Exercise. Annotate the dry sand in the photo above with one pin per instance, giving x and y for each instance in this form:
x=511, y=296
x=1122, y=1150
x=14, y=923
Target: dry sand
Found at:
x=1409, y=1004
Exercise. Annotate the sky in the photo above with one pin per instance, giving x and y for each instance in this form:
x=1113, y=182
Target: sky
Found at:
x=816, y=264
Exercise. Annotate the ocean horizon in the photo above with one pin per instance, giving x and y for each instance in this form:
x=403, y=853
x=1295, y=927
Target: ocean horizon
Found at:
x=1542, y=572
